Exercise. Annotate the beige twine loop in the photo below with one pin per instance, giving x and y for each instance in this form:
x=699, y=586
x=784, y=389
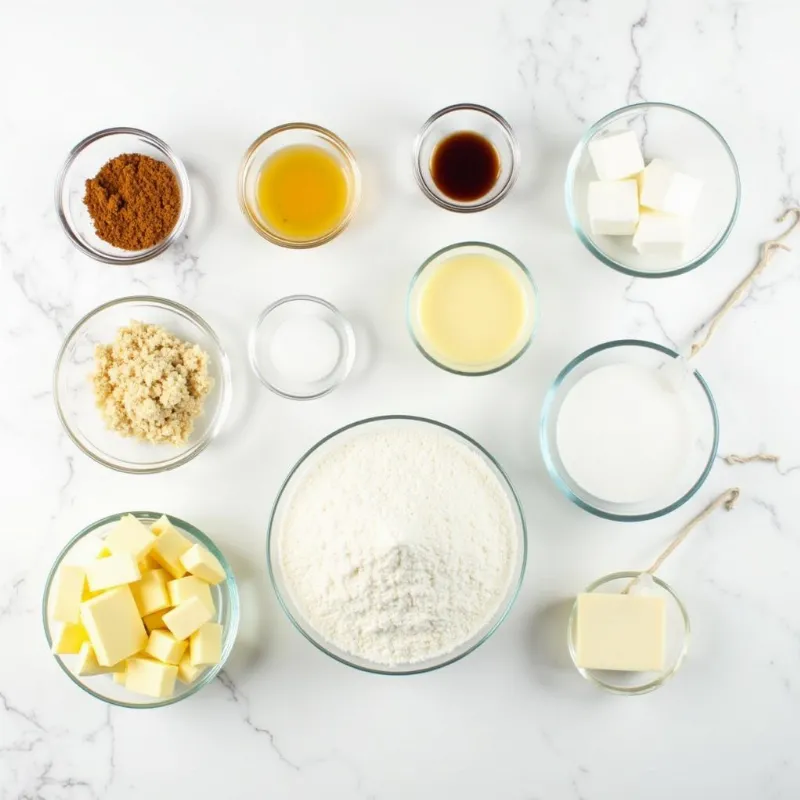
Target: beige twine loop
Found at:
x=767, y=251
x=727, y=499
x=734, y=459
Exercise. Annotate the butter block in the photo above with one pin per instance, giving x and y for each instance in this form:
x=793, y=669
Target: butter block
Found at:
x=620, y=632
x=150, y=592
x=130, y=536
x=147, y=563
x=200, y=563
x=87, y=663
x=164, y=647
x=182, y=589
x=205, y=645
x=121, y=676
x=66, y=593
x=613, y=207
x=616, y=156
x=155, y=620
x=114, y=626
x=169, y=546
x=85, y=550
x=186, y=618
x=660, y=234
x=150, y=677
x=188, y=672
x=69, y=638
x=663, y=188
x=115, y=570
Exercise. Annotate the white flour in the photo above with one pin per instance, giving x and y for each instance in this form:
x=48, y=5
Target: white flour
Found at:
x=399, y=544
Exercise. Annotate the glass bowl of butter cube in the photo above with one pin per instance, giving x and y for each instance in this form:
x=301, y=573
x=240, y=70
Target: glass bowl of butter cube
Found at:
x=652, y=190
x=628, y=633
x=141, y=610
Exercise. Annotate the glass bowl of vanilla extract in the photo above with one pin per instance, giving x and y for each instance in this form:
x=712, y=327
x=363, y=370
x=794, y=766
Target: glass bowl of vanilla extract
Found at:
x=466, y=158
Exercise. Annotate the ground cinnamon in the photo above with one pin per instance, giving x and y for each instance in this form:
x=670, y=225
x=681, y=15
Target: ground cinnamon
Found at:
x=134, y=201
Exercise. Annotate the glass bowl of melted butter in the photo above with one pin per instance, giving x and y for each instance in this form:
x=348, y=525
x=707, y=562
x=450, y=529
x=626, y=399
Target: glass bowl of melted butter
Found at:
x=299, y=185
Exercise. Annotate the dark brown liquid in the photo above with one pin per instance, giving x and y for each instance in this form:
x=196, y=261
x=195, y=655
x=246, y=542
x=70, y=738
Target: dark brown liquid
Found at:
x=465, y=166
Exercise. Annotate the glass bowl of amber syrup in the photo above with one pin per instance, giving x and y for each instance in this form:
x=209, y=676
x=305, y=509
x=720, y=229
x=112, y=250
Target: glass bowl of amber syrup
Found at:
x=299, y=185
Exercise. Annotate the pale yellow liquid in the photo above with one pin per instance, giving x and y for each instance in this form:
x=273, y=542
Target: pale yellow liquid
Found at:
x=473, y=312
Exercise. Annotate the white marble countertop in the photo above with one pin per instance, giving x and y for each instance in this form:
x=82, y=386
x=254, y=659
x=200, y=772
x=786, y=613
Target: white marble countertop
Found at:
x=513, y=721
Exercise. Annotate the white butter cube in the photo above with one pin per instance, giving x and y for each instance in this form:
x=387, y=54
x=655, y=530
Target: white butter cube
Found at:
x=613, y=207
x=660, y=234
x=200, y=563
x=66, y=593
x=150, y=677
x=186, y=618
x=620, y=632
x=130, y=536
x=205, y=645
x=114, y=626
x=663, y=188
x=616, y=156
x=105, y=573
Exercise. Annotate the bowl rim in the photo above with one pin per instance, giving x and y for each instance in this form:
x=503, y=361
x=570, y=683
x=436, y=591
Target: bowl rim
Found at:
x=587, y=240
x=478, y=205
x=553, y=470
x=513, y=590
x=525, y=274
x=229, y=635
x=348, y=357
x=354, y=198
x=651, y=685
x=137, y=256
x=224, y=385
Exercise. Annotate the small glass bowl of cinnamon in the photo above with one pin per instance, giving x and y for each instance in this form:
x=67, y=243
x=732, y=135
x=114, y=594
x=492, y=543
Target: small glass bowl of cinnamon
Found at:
x=105, y=240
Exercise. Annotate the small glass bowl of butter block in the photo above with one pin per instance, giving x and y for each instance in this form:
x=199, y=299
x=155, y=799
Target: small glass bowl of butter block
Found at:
x=142, y=384
x=628, y=633
x=141, y=610
x=299, y=185
x=629, y=431
x=472, y=308
x=652, y=190
x=84, y=162
x=302, y=347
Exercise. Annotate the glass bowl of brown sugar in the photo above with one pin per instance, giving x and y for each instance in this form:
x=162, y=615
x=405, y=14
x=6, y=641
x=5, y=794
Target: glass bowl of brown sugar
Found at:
x=123, y=196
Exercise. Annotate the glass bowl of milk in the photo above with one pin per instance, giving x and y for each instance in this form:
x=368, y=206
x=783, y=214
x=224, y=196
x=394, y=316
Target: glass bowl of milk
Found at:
x=628, y=431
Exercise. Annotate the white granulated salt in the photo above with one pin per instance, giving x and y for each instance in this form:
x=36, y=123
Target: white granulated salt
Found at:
x=399, y=544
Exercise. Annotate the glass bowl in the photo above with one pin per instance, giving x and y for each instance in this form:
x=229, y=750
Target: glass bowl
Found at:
x=428, y=269
x=676, y=645
x=476, y=119
x=693, y=146
x=283, y=500
x=226, y=599
x=269, y=143
x=696, y=401
x=74, y=394
x=84, y=162
x=291, y=309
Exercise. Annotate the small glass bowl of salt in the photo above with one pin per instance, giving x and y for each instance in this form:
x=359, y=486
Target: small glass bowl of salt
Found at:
x=301, y=347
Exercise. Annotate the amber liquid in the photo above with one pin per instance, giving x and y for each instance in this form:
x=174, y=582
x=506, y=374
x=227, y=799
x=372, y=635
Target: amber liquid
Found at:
x=465, y=166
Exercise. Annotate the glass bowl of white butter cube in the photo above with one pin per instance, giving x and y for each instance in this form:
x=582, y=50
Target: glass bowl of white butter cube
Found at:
x=652, y=190
x=141, y=610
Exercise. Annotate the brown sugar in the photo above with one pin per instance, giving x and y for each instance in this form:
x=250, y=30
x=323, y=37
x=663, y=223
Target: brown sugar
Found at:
x=134, y=201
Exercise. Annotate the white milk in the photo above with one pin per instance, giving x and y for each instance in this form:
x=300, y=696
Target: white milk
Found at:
x=622, y=434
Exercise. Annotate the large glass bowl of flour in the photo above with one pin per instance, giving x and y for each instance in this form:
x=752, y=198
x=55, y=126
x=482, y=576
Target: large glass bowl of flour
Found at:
x=397, y=545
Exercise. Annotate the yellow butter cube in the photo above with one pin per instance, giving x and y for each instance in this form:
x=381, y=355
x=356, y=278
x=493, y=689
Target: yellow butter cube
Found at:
x=163, y=646
x=150, y=593
x=186, y=618
x=69, y=638
x=66, y=593
x=151, y=677
x=114, y=626
x=115, y=570
x=182, y=589
x=155, y=620
x=188, y=672
x=169, y=546
x=199, y=562
x=130, y=537
x=88, y=594
x=121, y=676
x=87, y=663
x=205, y=645
x=147, y=563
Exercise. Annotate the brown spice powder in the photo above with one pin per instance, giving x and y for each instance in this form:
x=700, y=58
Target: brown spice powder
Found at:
x=134, y=201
